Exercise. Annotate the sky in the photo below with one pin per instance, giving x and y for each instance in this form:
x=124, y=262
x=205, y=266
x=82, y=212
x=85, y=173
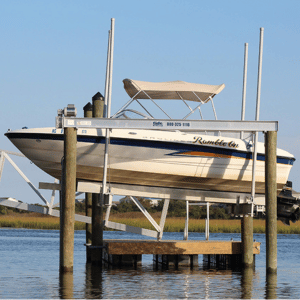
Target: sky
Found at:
x=53, y=53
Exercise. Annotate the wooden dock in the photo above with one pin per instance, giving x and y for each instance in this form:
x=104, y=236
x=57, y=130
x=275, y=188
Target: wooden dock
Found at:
x=170, y=253
x=189, y=247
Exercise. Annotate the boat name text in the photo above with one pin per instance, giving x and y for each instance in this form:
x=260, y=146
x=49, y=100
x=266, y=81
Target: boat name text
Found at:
x=218, y=142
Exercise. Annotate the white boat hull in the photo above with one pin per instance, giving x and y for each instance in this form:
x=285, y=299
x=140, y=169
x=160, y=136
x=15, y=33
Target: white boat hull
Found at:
x=152, y=158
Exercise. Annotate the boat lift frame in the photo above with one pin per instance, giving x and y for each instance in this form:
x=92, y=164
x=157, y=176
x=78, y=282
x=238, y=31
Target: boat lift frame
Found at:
x=191, y=196
x=243, y=199
x=50, y=205
x=157, y=124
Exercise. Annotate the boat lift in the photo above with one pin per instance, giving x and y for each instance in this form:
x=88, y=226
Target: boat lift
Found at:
x=192, y=197
x=241, y=201
x=48, y=207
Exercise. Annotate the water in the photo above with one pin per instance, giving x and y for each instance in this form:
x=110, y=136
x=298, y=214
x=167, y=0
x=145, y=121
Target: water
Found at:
x=29, y=268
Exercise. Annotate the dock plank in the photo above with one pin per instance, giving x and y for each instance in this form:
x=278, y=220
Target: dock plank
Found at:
x=136, y=247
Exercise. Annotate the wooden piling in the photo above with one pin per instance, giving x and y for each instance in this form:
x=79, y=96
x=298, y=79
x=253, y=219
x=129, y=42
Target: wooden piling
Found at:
x=67, y=203
x=247, y=283
x=66, y=285
x=271, y=286
x=98, y=105
x=247, y=241
x=97, y=207
x=88, y=227
x=97, y=230
x=88, y=113
x=271, y=201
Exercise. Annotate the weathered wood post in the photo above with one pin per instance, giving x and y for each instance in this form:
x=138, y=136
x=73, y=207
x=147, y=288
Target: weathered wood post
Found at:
x=97, y=210
x=271, y=286
x=88, y=113
x=98, y=105
x=247, y=283
x=66, y=285
x=247, y=241
x=271, y=201
x=67, y=201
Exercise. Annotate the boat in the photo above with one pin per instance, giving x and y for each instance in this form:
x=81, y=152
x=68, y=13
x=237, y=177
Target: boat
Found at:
x=213, y=161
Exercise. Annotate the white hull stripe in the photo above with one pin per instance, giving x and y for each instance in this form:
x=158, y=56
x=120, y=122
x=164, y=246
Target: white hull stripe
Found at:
x=178, y=147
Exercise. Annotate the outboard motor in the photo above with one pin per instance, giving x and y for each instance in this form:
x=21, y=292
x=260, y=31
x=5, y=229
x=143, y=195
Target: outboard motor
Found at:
x=288, y=205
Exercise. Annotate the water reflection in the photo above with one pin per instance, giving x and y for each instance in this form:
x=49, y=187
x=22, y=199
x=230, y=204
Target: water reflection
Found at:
x=148, y=282
x=247, y=283
x=271, y=286
x=66, y=285
x=93, y=281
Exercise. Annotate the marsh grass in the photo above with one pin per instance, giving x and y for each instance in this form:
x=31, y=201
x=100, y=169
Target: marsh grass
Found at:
x=35, y=221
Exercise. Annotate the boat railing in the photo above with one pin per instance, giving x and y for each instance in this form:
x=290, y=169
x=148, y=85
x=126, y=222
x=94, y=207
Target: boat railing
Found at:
x=131, y=114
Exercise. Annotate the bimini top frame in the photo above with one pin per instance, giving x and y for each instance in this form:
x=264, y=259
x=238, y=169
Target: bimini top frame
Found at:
x=170, y=90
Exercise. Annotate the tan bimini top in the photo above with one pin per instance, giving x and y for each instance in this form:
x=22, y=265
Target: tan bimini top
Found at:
x=171, y=90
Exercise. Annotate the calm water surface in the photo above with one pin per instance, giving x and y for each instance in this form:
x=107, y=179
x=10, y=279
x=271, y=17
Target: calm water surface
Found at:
x=29, y=268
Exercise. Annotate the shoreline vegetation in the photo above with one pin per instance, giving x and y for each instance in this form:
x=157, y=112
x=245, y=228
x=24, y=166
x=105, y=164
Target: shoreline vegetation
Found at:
x=173, y=224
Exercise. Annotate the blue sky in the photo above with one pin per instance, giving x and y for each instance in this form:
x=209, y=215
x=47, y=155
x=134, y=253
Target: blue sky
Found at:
x=53, y=53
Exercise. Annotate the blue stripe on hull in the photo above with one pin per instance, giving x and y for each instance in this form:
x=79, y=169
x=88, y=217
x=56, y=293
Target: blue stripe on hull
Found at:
x=179, y=148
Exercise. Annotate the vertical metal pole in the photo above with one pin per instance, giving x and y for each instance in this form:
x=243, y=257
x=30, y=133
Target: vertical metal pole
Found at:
x=67, y=208
x=88, y=113
x=2, y=159
x=254, y=160
x=186, y=227
x=257, y=114
x=97, y=207
x=107, y=76
x=247, y=221
x=111, y=65
x=244, y=85
x=271, y=201
x=108, y=86
x=207, y=222
x=261, y=42
x=108, y=209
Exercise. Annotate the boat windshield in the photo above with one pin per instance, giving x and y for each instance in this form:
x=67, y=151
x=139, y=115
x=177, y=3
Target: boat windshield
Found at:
x=131, y=114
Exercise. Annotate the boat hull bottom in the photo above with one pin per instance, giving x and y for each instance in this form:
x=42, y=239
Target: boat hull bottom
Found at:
x=163, y=180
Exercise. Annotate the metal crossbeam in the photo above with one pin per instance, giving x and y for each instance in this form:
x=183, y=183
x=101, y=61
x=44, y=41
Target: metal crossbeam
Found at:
x=123, y=227
x=13, y=203
x=24, y=177
x=145, y=212
x=132, y=229
x=160, y=124
x=164, y=192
